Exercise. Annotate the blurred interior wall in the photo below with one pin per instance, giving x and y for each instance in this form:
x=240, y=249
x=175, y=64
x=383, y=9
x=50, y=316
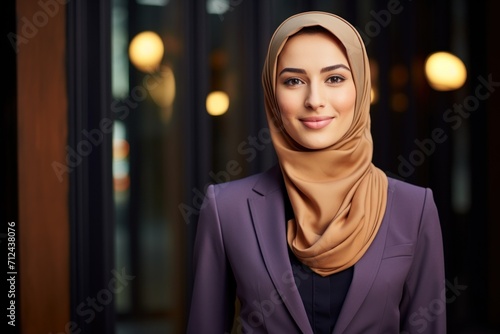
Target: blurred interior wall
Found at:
x=43, y=234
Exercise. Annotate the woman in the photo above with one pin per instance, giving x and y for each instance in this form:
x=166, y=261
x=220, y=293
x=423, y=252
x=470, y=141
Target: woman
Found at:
x=324, y=242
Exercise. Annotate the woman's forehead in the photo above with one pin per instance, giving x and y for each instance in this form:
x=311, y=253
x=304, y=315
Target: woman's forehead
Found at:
x=313, y=47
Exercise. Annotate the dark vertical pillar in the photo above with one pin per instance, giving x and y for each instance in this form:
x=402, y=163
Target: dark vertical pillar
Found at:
x=197, y=125
x=93, y=275
x=476, y=265
x=493, y=180
x=8, y=133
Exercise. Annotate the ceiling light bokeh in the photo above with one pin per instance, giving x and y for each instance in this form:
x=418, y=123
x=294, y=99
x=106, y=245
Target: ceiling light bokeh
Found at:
x=445, y=71
x=146, y=51
x=217, y=103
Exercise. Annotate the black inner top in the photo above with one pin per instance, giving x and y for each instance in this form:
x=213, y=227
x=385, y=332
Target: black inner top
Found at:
x=323, y=297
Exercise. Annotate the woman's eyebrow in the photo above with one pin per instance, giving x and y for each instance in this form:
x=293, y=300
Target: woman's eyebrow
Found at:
x=323, y=70
x=293, y=70
x=334, y=67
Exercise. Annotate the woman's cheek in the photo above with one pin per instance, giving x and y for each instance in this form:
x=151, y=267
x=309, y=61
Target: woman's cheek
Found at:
x=288, y=104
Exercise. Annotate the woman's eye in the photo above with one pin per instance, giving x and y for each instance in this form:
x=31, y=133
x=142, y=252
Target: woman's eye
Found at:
x=293, y=82
x=335, y=79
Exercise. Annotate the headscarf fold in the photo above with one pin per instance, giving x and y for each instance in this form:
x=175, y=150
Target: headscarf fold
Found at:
x=338, y=196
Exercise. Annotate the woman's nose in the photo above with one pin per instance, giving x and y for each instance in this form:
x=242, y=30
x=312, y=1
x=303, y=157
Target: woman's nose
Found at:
x=314, y=99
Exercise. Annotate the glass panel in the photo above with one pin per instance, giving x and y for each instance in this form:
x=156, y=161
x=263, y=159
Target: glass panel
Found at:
x=148, y=51
x=121, y=148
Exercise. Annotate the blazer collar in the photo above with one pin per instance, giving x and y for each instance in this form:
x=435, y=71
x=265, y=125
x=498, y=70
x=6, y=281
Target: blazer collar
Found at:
x=268, y=216
x=269, y=181
x=365, y=272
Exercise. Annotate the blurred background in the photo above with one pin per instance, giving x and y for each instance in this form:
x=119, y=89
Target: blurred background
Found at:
x=119, y=113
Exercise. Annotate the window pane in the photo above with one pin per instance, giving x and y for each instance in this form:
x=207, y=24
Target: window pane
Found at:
x=149, y=163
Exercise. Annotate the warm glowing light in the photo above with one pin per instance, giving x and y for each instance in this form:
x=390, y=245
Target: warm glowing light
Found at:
x=121, y=183
x=121, y=148
x=373, y=95
x=217, y=103
x=146, y=51
x=445, y=71
x=161, y=86
x=374, y=80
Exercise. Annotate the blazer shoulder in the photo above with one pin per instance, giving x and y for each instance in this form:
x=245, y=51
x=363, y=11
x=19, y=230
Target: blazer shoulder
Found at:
x=410, y=199
x=250, y=185
x=407, y=190
x=410, y=210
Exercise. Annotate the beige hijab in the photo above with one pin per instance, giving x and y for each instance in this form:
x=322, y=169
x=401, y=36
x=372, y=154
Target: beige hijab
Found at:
x=338, y=196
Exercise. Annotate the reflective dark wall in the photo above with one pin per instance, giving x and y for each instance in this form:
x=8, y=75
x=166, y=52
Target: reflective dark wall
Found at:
x=422, y=135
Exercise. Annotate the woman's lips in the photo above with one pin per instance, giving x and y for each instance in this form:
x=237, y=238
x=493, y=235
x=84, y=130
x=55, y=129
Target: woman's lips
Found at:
x=316, y=122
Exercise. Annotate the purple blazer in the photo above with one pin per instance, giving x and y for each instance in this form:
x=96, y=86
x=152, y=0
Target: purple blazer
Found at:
x=240, y=250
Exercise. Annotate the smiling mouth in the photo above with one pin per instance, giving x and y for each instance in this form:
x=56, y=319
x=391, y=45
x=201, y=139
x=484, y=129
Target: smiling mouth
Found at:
x=316, y=122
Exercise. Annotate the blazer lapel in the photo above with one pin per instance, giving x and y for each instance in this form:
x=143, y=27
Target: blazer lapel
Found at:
x=268, y=216
x=365, y=271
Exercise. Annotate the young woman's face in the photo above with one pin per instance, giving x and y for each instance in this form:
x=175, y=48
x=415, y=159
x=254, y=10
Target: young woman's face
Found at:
x=315, y=90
